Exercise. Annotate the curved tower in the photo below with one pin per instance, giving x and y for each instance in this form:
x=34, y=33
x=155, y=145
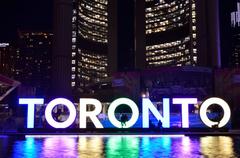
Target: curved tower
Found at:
x=170, y=32
x=89, y=43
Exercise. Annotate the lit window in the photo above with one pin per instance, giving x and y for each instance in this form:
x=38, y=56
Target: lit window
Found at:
x=73, y=84
x=73, y=69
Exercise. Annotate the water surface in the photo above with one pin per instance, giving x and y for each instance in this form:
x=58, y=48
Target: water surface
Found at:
x=119, y=147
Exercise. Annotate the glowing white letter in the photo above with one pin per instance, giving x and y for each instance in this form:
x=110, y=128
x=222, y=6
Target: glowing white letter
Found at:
x=226, y=112
x=148, y=106
x=50, y=107
x=118, y=102
x=91, y=114
x=185, y=112
x=31, y=106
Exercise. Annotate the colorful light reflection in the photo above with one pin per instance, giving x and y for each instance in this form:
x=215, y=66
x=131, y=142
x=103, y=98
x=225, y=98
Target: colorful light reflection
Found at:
x=91, y=147
x=120, y=146
x=217, y=146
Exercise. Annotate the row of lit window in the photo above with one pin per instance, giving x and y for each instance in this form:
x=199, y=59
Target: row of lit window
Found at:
x=93, y=21
x=170, y=50
x=166, y=56
x=180, y=62
x=167, y=25
x=167, y=45
x=90, y=26
x=86, y=79
x=93, y=13
x=95, y=4
x=37, y=34
x=171, y=12
x=92, y=9
x=167, y=15
x=92, y=55
x=93, y=38
x=182, y=14
x=94, y=74
x=92, y=61
x=150, y=0
x=154, y=28
x=181, y=46
x=93, y=32
x=105, y=2
x=92, y=66
x=158, y=11
x=164, y=6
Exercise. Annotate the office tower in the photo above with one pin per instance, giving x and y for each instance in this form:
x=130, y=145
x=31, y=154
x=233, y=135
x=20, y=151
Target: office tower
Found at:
x=235, y=35
x=7, y=55
x=120, y=36
x=32, y=63
x=170, y=33
x=177, y=33
x=89, y=43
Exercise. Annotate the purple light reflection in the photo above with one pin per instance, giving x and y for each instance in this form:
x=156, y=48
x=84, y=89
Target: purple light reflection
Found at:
x=59, y=147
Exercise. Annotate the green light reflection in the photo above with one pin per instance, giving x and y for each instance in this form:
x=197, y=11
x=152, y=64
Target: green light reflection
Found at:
x=122, y=147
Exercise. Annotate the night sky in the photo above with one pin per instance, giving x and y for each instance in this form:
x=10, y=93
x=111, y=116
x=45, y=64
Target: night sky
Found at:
x=225, y=8
x=25, y=15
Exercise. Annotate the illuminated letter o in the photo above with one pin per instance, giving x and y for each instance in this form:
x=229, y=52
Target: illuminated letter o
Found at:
x=115, y=104
x=226, y=111
x=68, y=104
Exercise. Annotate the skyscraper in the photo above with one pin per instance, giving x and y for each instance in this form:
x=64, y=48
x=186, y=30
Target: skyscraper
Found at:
x=7, y=55
x=170, y=33
x=111, y=36
x=177, y=33
x=235, y=25
x=32, y=60
x=89, y=43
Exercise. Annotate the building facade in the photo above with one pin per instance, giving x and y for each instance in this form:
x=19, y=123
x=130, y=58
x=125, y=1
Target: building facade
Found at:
x=7, y=55
x=89, y=43
x=177, y=33
x=170, y=30
x=127, y=35
x=32, y=63
x=235, y=25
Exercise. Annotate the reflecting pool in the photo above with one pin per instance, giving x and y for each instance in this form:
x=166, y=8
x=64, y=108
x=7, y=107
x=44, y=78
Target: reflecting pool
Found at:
x=119, y=146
